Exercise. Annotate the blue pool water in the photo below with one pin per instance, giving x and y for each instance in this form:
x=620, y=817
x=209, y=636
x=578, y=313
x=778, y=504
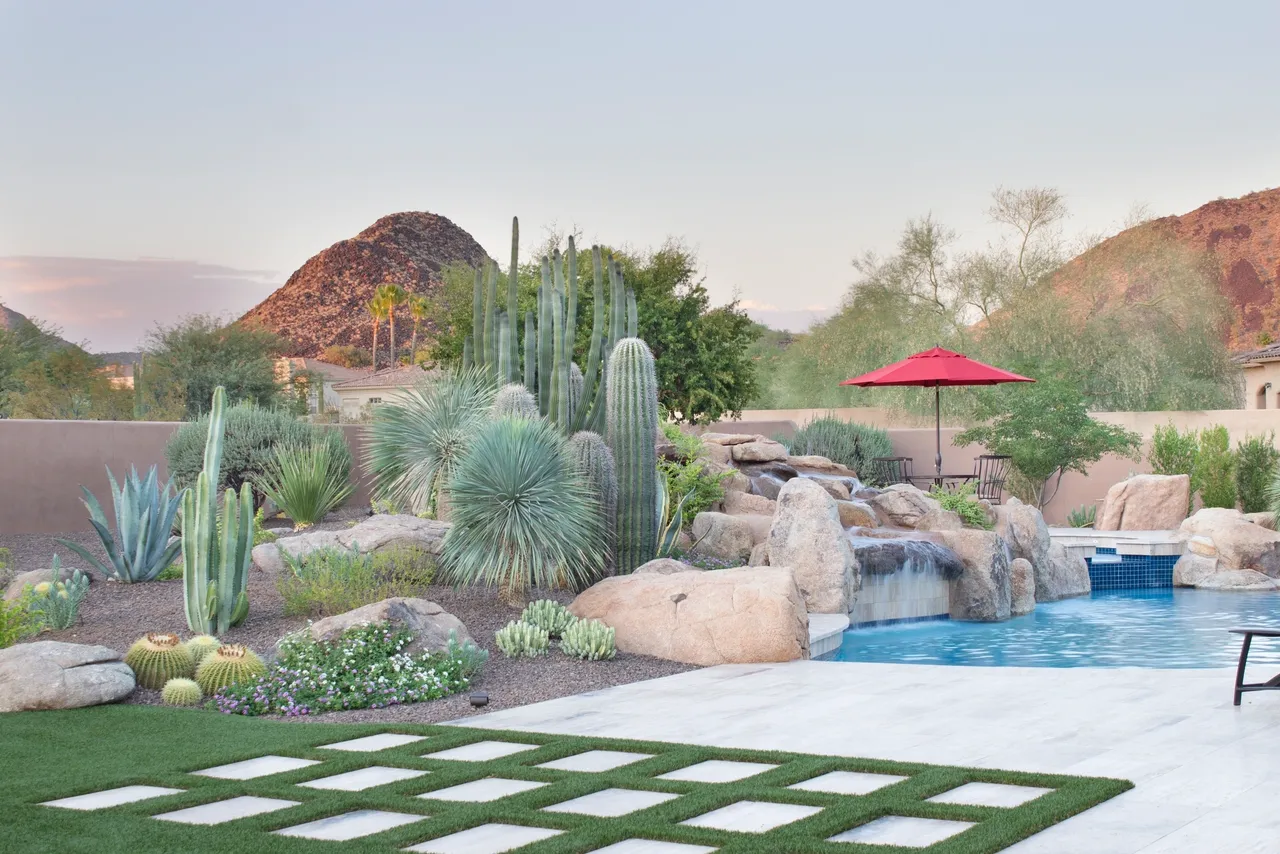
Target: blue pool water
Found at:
x=1172, y=628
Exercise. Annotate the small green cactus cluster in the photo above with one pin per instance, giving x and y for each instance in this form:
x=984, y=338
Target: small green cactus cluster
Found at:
x=181, y=692
x=200, y=646
x=227, y=665
x=157, y=657
x=515, y=401
x=518, y=639
x=591, y=640
x=58, y=602
x=548, y=615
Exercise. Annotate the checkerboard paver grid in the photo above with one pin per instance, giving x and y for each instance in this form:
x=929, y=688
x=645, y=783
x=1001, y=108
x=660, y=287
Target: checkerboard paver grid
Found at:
x=607, y=799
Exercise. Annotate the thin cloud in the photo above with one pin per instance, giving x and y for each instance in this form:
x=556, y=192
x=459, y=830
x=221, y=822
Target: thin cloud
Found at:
x=792, y=320
x=111, y=304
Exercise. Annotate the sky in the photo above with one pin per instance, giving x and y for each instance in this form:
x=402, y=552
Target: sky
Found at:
x=161, y=158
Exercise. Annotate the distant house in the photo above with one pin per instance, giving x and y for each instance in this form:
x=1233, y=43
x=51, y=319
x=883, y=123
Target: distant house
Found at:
x=120, y=376
x=361, y=394
x=288, y=368
x=1261, y=377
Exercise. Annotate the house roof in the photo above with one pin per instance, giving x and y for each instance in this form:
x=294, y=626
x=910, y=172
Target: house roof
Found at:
x=331, y=372
x=1269, y=353
x=402, y=377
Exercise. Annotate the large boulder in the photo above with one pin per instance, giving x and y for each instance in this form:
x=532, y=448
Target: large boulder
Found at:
x=731, y=616
x=1062, y=576
x=759, y=451
x=730, y=439
x=983, y=592
x=813, y=462
x=759, y=555
x=1238, y=579
x=429, y=624
x=20, y=582
x=903, y=504
x=1022, y=587
x=1023, y=528
x=940, y=520
x=723, y=536
x=835, y=488
x=1146, y=502
x=759, y=525
x=807, y=536
x=716, y=453
x=56, y=675
x=665, y=566
x=745, y=502
x=857, y=514
x=1240, y=544
x=1265, y=518
x=381, y=532
x=1193, y=568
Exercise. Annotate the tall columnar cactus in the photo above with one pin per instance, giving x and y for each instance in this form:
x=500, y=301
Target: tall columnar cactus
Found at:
x=594, y=463
x=216, y=564
x=632, y=403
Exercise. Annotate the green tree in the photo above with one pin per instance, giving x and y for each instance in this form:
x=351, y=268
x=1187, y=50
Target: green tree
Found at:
x=200, y=353
x=70, y=384
x=25, y=342
x=346, y=355
x=1046, y=430
x=393, y=296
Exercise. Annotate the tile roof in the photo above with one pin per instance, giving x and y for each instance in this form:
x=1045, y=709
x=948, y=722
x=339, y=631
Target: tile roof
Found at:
x=402, y=377
x=1265, y=354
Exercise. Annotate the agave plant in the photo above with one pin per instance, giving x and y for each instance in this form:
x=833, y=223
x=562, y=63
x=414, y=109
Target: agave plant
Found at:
x=670, y=520
x=307, y=482
x=416, y=440
x=142, y=546
x=522, y=517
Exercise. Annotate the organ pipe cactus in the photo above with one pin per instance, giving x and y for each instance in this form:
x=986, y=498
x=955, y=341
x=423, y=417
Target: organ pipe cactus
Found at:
x=632, y=403
x=594, y=463
x=216, y=563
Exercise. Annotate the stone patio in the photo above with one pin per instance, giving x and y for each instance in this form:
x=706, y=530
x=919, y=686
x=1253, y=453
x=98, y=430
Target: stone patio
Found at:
x=1207, y=774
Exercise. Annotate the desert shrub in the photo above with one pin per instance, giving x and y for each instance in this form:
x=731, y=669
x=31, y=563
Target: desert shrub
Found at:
x=1173, y=451
x=17, y=621
x=308, y=481
x=688, y=475
x=522, y=517
x=590, y=640
x=57, y=603
x=844, y=442
x=1215, y=471
x=518, y=639
x=366, y=668
x=963, y=502
x=417, y=439
x=252, y=437
x=1083, y=516
x=347, y=356
x=333, y=581
x=1257, y=462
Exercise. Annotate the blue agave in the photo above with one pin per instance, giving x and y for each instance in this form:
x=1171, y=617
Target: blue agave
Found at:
x=143, y=544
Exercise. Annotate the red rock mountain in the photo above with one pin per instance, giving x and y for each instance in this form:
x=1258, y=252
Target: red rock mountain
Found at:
x=323, y=303
x=1237, y=241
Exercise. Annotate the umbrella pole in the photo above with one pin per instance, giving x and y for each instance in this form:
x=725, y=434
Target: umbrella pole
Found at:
x=937, y=429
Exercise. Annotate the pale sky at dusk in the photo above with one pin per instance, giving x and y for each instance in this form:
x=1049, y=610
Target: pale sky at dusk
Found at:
x=228, y=142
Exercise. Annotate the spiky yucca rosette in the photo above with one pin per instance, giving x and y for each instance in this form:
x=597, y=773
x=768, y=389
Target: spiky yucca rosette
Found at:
x=181, y=692
x=157, y=657
x=201, y=645
x=227, y=665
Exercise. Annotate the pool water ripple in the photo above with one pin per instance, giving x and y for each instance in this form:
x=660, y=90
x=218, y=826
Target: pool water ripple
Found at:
x=1112, y=628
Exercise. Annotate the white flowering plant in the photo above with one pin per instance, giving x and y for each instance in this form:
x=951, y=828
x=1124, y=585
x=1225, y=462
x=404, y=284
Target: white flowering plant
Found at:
x=366, y=668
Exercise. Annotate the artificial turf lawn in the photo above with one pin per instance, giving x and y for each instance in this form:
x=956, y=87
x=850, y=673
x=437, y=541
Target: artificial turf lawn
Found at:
x=49, y=755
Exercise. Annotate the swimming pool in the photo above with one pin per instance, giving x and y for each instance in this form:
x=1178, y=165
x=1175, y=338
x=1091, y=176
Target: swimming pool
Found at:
x=1172, y=628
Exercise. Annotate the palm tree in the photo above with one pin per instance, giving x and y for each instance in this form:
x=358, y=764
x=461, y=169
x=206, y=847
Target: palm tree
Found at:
x=393, y=296
x=418, y=309
x=378, y=310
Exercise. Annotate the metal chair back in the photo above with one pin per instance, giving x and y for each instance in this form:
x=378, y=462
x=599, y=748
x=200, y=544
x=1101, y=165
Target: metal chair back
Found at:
x=891, y=470
x=990, y=471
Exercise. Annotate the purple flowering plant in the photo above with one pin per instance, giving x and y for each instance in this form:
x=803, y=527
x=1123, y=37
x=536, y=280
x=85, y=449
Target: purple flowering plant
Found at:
x=366, y=668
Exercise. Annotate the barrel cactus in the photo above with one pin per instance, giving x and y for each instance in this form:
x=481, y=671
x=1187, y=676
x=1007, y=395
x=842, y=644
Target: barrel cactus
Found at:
x=518, y=639
x=201, y=645
x=156, y=658
x=591, y=640
x=228, y=665
x=181, y=692
x=515, y=400
x=631, y=398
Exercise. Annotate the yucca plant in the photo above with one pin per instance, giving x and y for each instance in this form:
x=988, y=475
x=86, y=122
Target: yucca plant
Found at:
x=416, y=440
x=143, y=545
x=307, y=482
x=522, y=516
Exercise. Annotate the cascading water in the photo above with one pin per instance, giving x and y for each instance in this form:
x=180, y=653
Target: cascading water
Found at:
x=902, y=578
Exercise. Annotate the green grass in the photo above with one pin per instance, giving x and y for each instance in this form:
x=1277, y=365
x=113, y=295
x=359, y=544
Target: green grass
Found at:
x=51, y=755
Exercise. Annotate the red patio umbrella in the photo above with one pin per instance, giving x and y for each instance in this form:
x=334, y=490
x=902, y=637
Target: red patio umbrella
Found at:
x=937, y=367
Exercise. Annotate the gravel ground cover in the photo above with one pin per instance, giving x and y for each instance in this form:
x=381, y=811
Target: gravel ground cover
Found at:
x=115, y=615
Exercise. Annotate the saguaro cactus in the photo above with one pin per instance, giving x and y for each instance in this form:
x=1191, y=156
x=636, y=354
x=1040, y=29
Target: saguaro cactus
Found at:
x=216, y=563
x=594, y=462
x=632, y=403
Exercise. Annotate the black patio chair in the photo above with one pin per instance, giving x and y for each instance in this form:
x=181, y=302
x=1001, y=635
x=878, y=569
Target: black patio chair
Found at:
x=891, y=470
x=990, y=471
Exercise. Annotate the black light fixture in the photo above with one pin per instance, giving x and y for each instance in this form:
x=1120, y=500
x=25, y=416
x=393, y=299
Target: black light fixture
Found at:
x=479, y=699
